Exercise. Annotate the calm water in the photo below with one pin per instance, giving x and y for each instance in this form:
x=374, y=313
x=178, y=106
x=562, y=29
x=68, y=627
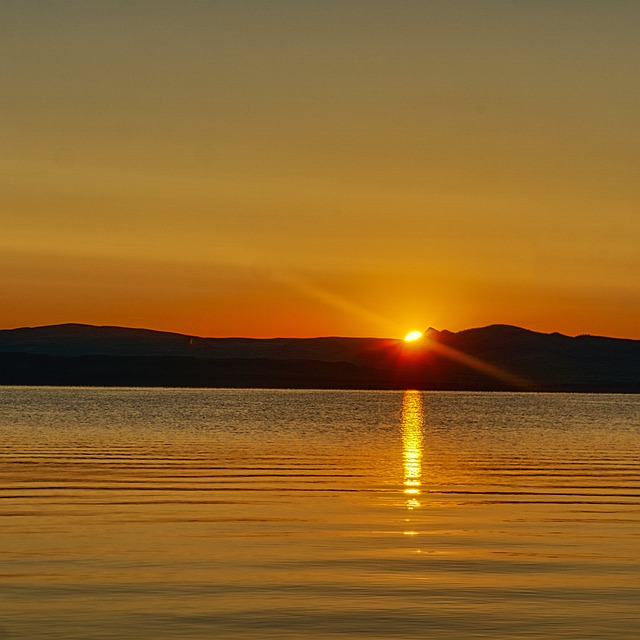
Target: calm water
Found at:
x=146, y=513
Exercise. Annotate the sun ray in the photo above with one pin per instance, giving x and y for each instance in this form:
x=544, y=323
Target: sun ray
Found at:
x=480, y=365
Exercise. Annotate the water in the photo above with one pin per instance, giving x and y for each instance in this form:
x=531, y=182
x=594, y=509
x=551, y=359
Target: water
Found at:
x=158, y=513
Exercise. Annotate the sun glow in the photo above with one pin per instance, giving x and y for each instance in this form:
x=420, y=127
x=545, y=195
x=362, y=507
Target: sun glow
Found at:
x=413, y=335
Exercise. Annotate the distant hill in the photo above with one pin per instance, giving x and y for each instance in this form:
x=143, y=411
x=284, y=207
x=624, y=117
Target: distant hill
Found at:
x=82, y=340
x=497, y=357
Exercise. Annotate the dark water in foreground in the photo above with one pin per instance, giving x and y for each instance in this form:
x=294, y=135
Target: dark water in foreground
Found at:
x=146, y=513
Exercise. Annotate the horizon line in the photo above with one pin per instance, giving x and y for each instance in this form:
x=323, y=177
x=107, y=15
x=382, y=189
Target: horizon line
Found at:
x=316, y=337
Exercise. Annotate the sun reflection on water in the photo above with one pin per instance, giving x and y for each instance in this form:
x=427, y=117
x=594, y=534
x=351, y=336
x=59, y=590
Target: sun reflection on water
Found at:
x=412, y=426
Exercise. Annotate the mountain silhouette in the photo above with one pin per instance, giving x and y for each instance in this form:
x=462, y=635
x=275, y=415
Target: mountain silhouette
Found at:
x=497, y=357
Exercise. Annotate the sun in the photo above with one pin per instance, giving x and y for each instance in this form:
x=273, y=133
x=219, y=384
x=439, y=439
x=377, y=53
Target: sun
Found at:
x=413, y=335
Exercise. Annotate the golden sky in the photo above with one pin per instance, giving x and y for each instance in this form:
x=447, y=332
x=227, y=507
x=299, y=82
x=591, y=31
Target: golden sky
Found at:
x=290, y=168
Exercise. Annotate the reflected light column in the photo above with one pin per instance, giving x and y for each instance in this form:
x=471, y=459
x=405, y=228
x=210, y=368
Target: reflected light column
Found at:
x=412, y=436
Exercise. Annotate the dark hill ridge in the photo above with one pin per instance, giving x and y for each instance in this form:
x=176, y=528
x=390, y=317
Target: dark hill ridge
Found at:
x=498, y=357
x=81, y=340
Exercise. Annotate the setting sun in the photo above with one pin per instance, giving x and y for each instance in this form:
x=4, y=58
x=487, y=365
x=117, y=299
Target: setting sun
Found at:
x=413, y=335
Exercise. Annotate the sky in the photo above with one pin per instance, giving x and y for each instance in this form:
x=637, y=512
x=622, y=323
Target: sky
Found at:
x=320, y=167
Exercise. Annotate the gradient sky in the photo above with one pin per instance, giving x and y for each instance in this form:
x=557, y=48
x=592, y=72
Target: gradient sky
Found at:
x=302, y=168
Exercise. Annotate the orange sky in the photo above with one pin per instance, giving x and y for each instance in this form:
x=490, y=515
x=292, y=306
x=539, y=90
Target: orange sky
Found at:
x=321, y=168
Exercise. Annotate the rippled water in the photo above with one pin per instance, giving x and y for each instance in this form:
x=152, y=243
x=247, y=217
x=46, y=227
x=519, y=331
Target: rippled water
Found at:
x=158, y=513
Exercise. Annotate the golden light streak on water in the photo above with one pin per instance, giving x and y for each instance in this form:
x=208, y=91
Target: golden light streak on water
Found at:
x=412, y=438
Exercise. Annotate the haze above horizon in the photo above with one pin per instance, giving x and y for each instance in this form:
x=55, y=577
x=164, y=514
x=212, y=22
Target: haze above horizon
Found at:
x=335, y=168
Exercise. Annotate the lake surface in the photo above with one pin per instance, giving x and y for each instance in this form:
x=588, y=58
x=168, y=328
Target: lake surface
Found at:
x=166, y=513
